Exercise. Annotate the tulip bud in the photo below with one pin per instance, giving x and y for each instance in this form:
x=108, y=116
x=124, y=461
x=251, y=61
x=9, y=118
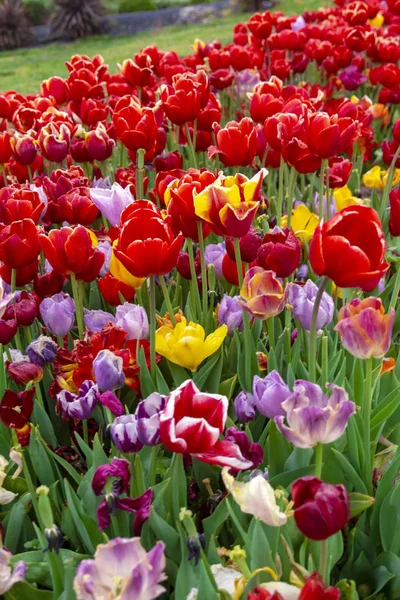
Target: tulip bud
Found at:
x=107, y=368
x=98, y=143
x=230, y=313
x=58, y=313
x=42, y=350
x=148, y=419
x=244, y=407
x=359, y=503
x=124, y=434
x=133, y=320
x=280, y=251
x=249, y=245
x=25, y=372
x=269, y=393
x=183, y=265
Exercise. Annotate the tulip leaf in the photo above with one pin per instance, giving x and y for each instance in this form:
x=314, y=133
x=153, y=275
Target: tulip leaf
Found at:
x=162, y=385
x=227, y=387
x=147, y=385
x=286, y=478
x=165, y=532
x=15, y=524
x=27, y=591
x=43, y=464
x=279, y=449
x=207, y=585
x=384, y=410
x=335, y=550
x=359, y=503
x=42, y=419
x=213, y=523
x=179, y=374
x=187, y=577
x=69, y=468
x=258, y=549
x=202, y=375
x=88, y=452
x=212, y=382
x=349, y=472
x=87, y=529
x=383, y=489
x=176, y=493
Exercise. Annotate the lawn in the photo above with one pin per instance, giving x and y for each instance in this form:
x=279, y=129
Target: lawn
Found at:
x=23, y=70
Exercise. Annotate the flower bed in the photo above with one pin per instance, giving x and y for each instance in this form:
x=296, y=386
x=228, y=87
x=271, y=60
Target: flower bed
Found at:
x=198, y=331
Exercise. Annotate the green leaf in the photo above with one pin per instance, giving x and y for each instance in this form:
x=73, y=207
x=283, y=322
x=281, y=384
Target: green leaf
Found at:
x=213, y=381
x=285, y=479
x=202, y=375
x=227, y=387
x=87, y=529
x=384, y=487
x=359, y=503
x=69, y=468
x=179, y=374
x=384, y=410
x=279, y=450
x=258, y=550
x=15, y=524
x=27, y=591
x=165, y=532
x=42, y=419
x=350, y=472
x=147, y=384
x=206, y=587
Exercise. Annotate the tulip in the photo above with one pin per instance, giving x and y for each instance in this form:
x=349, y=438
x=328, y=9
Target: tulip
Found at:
x=364, y=328
x=54, y=141
x=8, y=329
x=9, y=575
x=280, y=251
x=48, y=284
x=121, y=569
x=274, y=590
x=312, y=416
x=148, y=419
x=106, y=248
x=269, y=393
x=107, y=368
x=230, y=204
x=394, y=219
x=250, y=450
x=230, y=313
x=99, y=145
x=112, y=202
x=133, y=320
x=20, y=202
x=16, y=408
x=320, y=509
x=186, y=345
x=256, y=497
x=24, y=310
x=55, y=87
x=302, y=300
x=343, y=198
x=192, y=423
x=19, y=245
x=146, y=245
x=78, y=406
x=352, y=78
x=236, y=143
x=244, y=407
x=263, y=294
x=42, y=350
x=111, y=288
x=77, y=207
x=24, y=372
x=135, y=126
x=183, y=265
x=124, y=434
x=339, y=172
x=249, y=245
x=182, y=102
x=213, y=255
x=58, y=313
x=24, y=148
x=120, y=273
x=303, y=223
x=350, y=248
x=5, y=147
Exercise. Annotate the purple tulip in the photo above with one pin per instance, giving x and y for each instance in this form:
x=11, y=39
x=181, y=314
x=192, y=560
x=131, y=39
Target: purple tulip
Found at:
x=299, y=24
x=230, y=313
x=122, y=569
x=96, y=319
x=244, y=406
x=148, y=419
x=107, y=368
x=302, y=272
x=133, y=320
x=106, y=248
x=302, y=300
x=313, y=417
x=269, y=393
x=110, y=401
x=42, y=350
x=352, y=78
x=124, y=434
x=214, y=254
x=9, y=576
x=111, y=202
x=79, y=406
x=58, y=313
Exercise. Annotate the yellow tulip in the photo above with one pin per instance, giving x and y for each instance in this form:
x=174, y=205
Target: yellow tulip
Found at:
x=118, y=271
x=374, y=178
x=304, y=222
x=343, y=198
x=377, y=21
x=187, y=345
x=396, y=177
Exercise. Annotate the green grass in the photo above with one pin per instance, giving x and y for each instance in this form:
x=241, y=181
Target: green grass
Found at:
x=23, y=70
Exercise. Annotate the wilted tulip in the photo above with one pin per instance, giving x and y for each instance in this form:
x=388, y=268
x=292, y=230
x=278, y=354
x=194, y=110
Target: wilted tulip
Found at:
x=42, y=350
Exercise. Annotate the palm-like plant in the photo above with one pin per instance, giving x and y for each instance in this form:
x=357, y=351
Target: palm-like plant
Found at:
x=14, y=26
x=76, y=18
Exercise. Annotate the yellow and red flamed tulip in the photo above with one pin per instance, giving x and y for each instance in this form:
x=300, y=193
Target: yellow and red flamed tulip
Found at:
x=364, y=327
x=230, y=203
x=263, y=293
x=187, y=345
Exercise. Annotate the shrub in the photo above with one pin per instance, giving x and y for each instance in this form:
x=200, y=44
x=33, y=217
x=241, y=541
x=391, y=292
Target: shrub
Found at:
x=126, y=6
x=14, y=26
x=76, y=18
x=37, y=11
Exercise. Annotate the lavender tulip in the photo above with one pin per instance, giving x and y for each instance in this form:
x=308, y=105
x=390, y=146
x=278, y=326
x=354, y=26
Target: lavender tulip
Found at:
x=123, y=570
x=269, y=394
x=58, y=313
x=302, y=300
x=96, y=319
x=8, y=576
x=148, y=419
x=107, y=368
x=214, y=254
x=111, y=202
x=133, y=320
x=42, y=350
x=79, y=406
x=230, y=313
x=314, y=417
x=106, y=248
x=124, y=434
x=244, y=406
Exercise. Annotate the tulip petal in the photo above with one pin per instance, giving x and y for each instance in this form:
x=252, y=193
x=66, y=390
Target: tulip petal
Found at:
x=225, y=454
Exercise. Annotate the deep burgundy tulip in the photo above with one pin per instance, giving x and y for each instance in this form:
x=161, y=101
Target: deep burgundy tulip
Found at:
x=394, y=220
x=320, y=509
x=280, y=252
x=249, y=246
x=16, y=408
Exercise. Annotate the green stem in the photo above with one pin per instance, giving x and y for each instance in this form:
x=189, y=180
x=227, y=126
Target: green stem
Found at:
x=291, y=188
x=324, y=352
x=204, y=289
x=85, y=432
x=271, y=332
x=395, y=293
x=311, y=203
x=321, y=190
x=13, y=280
x=238, y=259
x=312, y=348
x=280, y=193
x=319, y=451
x=139, y=174
x=192, y=150
x=196, y=303
x=78, y=305
x=31, y=488
x=167, y=300
x=323, y=560
x=366, y=416
x=246, y=324
x=388, y=185
x=153, y=465
x=3, y=168
x=152, y=320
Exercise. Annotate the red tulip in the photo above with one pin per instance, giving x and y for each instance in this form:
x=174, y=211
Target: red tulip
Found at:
x=249, y=245
x=58, y=184
x=222, y=78
x=99, y=144
x=111, y=289
x=230, y=270
x=280, y=251
x=183, y=265
x=136, y=76
x=339, y=172
x=19, y=202
x=236, y=143
x=77, y=207
x=16, y=408
x=192, y=422
x=24, y=372
x=48, y=284
x=350, y=248
x=92, y=111
x=70, y=250
x=320, y=509
x=266, y=100
x=54, y=142
x=135, y=126
x=19, y=244
x=261, y=25
x=172, y=160
x=23, y=148
x=24, y=310
x=5, y=147
x=146, y=244
x=314, y=589
x=56, y=88
x=8, y=329
x=24, y=275
x=5, y=108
